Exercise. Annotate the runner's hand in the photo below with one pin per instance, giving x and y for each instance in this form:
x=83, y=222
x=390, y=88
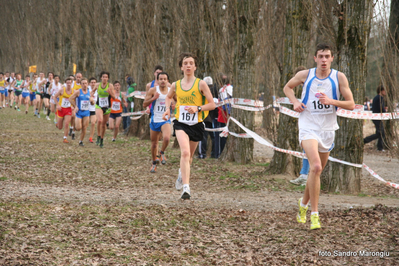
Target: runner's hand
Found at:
x=299, y=107
x=58, y=107
x=324, y=99
x=166, y=115
x=156, y=96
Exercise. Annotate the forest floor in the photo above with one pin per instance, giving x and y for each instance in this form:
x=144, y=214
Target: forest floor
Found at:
x=61, y=204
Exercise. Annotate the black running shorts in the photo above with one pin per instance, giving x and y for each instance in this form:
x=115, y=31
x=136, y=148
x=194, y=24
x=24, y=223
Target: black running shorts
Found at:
x=194, y=132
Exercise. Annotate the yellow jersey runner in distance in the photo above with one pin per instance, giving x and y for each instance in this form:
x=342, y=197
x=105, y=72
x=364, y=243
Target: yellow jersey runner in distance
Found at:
x=185, y=99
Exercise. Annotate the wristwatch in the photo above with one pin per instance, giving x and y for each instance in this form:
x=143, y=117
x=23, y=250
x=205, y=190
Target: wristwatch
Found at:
x=199, y=108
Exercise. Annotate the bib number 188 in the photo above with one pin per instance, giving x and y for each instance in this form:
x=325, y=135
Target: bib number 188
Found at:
x=318, y=105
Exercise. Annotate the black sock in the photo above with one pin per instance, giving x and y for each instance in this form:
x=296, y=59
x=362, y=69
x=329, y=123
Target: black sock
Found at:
x=48, y=112
x=154, y=162
x=162, y=152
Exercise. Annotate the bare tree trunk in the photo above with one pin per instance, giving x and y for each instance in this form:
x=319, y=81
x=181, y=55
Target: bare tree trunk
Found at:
x=390, y=70
x=246, y=17
x=353, y=35
x=296, y=50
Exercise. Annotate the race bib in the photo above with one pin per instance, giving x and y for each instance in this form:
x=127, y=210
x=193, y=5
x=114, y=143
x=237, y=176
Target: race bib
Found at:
x=187, y=118
x=317, y=108
x=84, y=105
x=116, y=106
x=65, y=103
x=103, y=101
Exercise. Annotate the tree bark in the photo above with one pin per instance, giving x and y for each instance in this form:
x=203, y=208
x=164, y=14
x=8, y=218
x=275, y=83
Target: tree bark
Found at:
x=296, y=49
x=244, y=28
x=353, y=36
x=389, y=74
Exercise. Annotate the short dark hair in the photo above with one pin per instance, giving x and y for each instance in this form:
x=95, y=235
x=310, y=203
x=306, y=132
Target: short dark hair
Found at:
x=92, y=79
x=225, y=80
x=1, y=73
x=56, y=76
x=104, y=72
x=380, y=89
x=68, y=79
x=185, y=55
x=158, y=67
x=300, y=68
x=162, y=73
x=50, y=73
x=25, y=76
x=117, y=82
x=322, y=47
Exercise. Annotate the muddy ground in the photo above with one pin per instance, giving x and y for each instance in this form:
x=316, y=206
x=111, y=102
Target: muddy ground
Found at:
x=61, y=204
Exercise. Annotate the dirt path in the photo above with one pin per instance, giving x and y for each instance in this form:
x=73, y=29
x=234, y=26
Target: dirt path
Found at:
x=61, y=204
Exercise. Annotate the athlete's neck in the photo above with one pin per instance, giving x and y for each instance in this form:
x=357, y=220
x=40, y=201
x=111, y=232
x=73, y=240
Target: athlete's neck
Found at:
x=189, y=78
x=322, y=74
x=103, y=84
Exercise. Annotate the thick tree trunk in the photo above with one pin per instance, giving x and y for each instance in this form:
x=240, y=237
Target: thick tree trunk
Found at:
x=353, y=35
x=389, y=74
x=246, y=17
x=296, y=50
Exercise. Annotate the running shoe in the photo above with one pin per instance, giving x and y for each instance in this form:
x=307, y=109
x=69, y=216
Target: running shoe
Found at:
x=113, y=140
x=48, y=118
x=73, y=135
x=98, y=141
x=315, y=222
x=153, y=168
x=91, y=140
x=66, y=141
x=301, y=216
x=18, y=110
x=81, y=143
x=15, y=107
x=300, y=181
x=179, y=181
x=163, y=158
x=70, y=131
x=38, y=115
x=186, y=193
x=101, y=143
x=26, y=112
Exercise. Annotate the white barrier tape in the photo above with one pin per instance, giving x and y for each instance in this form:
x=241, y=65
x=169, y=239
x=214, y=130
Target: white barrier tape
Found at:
x=289, y=112
x=136, y=117
x=251, y=108
x=137, y=94
x=380, y=178
x=357, y=113
x=134, y=113
x=262, y=141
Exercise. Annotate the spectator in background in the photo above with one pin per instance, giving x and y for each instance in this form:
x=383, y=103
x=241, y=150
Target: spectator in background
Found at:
x=226, y=92
x=130, y=103
x=367, y=104
x=378, y=107
x=209, y=123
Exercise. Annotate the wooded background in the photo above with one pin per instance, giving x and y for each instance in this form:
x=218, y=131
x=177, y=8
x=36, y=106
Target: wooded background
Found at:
x=258, y=43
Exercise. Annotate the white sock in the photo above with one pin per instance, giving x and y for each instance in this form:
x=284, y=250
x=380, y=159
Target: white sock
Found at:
x=315, y=213
x=70, y=127
x=187, y=186
x=65, y=137
x=303, y=205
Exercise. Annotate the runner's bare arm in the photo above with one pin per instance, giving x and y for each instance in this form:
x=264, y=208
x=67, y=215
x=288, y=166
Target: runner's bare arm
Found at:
x=58, y=94
x=349, y=103
x=95, y=88
x=73, y=97
x=204, y=88
x=111, y=91
x=171, y=95
x=297, y=80
x=147, y=87
x=149, y=97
